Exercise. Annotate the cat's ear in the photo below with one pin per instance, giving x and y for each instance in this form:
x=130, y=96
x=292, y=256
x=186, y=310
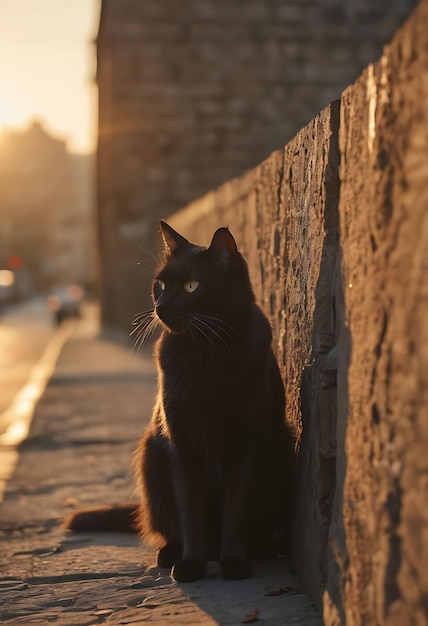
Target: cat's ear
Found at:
x=223, y=242
x=171, y=239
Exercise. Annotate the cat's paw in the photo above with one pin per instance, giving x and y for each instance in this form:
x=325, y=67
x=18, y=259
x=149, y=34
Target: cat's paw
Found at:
x=235, y=568
x=187, y=570
x=168, y=555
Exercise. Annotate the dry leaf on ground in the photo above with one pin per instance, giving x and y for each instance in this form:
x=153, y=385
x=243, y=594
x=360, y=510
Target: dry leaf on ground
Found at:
x=251, y=617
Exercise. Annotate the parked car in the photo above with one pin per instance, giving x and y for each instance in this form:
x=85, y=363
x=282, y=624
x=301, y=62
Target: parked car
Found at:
x=66, y=302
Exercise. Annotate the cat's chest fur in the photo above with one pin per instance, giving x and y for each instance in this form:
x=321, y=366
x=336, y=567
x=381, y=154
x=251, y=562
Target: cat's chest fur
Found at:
x=197, y=376
x=212, y=405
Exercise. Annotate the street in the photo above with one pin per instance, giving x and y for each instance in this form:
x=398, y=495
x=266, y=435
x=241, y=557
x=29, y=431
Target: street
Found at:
x=29, y=346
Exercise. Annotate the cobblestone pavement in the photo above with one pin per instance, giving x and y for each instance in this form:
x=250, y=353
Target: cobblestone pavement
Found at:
x=78, y=453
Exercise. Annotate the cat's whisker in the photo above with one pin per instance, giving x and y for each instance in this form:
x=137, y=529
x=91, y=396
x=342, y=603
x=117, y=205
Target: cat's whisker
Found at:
x=146, y=327
x=215, y=335
x=212, y=330
x=231, y=333
x=155, y=260
x=197, y=325
x=225, y=333
x=188, y=327
x=145, y=270
x=149, y=330
x=211, y=335
x=143, y=328
x=141, y=321
x=139, y=340
x=224, y=327
x=139, y=316
x=138, y=332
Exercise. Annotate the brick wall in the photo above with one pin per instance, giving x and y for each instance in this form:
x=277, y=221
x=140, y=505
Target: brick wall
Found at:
x=335, y=230
x=194, y=92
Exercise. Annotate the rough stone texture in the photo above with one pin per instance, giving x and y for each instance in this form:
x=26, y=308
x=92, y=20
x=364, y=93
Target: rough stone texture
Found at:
x=284, y=217
x=192, y=93
x=379, y=541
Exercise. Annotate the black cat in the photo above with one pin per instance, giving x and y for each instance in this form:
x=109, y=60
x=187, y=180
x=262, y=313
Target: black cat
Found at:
x=215, y=465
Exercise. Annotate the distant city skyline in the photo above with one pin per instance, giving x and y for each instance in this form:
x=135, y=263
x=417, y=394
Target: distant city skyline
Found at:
x=47, y=68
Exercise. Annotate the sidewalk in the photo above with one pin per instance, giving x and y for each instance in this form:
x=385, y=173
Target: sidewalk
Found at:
x=79, y=453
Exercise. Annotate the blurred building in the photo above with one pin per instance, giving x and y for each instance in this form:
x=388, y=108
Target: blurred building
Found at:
x=46, y=217
x=192, y=93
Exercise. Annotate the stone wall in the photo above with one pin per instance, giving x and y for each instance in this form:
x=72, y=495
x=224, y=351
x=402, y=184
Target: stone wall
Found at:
x=335, y=231
x=192, y=93
x=379, y=545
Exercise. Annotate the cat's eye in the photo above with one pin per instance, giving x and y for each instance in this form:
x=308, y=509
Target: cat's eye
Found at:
x=191, y=286
x=161, y=284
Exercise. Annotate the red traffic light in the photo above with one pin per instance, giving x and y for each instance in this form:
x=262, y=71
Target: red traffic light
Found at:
x=15, y=262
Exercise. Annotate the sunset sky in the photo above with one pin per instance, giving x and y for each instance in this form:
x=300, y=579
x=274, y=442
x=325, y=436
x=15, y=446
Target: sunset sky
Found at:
x=47, y=67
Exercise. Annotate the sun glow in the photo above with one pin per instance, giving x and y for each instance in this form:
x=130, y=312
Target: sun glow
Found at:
x=47, y=68
x=12, y=112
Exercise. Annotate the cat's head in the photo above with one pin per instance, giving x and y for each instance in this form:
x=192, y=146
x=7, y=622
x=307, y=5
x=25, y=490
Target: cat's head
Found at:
x=200, y=287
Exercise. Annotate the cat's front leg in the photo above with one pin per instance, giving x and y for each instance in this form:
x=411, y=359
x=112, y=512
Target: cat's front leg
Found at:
x=191, y=504
x=234, y=564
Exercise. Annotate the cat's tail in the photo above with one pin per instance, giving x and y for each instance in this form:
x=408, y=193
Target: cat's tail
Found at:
x=111, y=518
